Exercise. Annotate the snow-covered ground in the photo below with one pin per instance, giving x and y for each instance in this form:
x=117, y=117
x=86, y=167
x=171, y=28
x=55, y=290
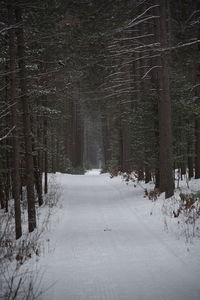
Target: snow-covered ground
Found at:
x=108, y=242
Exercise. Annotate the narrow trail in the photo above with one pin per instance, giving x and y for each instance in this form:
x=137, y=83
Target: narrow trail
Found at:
x=107, y=248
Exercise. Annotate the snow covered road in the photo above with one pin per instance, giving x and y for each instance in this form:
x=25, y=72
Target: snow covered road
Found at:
x=108, y=246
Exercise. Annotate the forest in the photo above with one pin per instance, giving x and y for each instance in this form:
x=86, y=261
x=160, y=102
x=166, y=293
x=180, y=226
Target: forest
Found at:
x=84, y=84
x=110, y=85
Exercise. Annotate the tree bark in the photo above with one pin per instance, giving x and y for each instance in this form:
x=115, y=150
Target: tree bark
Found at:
x=147, y=171
x=15, y=139
x=197, y=120
x=45, y=158
x=190, y=167
x=166, y=183
x=26, y=123
x=197, y=148
x=38, y=179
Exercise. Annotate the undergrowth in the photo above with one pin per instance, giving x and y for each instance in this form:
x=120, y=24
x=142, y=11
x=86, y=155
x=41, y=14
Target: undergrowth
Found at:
x=183, y=207
x=19, y=276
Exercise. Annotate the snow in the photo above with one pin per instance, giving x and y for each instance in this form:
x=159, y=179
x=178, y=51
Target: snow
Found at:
x=108, y=242
x=93, y=172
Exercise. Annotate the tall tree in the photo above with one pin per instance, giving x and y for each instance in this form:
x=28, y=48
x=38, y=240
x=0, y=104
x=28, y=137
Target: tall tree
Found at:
x=166, y=182
x=14, y=108
x=26, y=121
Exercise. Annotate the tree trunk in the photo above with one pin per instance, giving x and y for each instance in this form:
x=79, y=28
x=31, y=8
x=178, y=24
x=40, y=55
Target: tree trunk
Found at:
x=190, y=167
x=38, y=179
x=26, y=123
x=166, y=183
x=197, y=148
x=197, y=121
x=2, y=194
x=45, y=158
x=183, y=169
x=15, y=139
x=147, y=169
x=190, y=155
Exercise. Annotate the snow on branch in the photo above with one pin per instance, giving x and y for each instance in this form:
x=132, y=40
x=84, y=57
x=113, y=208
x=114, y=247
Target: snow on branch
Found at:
x=3, y=88
x=134, y=38
x=5, y=29
x=6, y=111
x=8, y=133
x=194, y=86
x=139, y=16
x=154, y=67
x=143, y=20
x=192, y=15
x=179, y=46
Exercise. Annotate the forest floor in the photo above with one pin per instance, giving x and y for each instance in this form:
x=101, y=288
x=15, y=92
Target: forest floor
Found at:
x=108, y=242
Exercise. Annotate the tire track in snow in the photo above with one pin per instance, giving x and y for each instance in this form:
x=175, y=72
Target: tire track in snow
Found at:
x=142, y=223
x=127, y=262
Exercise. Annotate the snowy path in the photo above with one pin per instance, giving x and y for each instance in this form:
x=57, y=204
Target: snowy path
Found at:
x=108, y=247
